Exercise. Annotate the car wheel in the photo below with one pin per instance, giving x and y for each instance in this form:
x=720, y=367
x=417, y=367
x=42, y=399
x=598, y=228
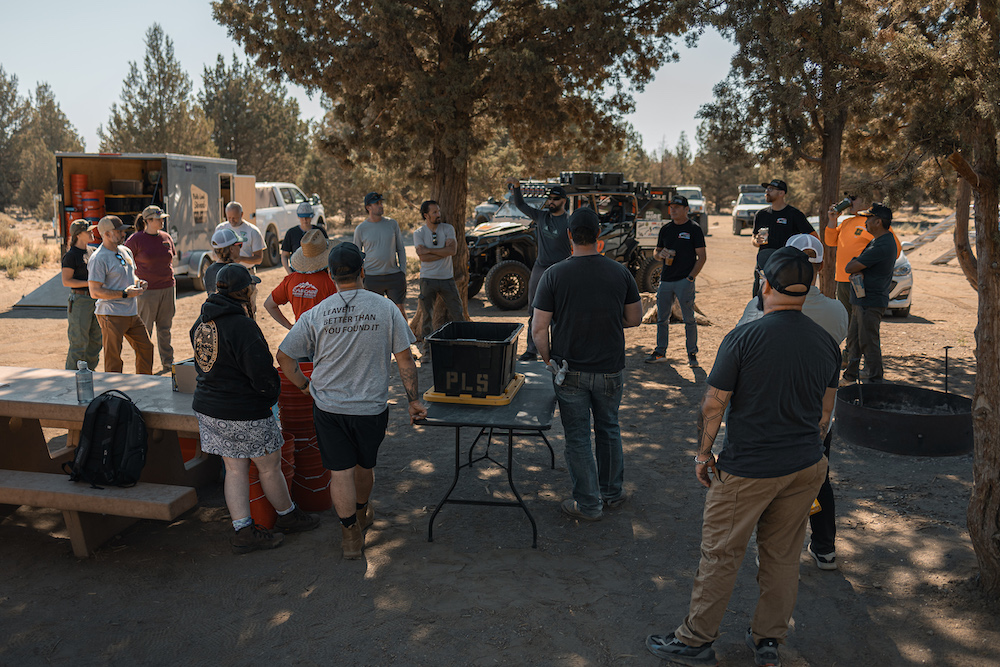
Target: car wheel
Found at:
x=901, y=312
x=648, y=277
x=475, y=285
x=507, y=285
x=272, y=249
x=737, y=228
x=198, y=280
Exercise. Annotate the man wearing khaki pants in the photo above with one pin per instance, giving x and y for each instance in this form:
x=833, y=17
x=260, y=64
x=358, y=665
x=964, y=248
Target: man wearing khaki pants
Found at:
x=770, y=468
x=113, y=283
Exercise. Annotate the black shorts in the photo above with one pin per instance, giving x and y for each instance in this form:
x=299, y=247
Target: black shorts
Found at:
x=392, y=285
x=346, y=441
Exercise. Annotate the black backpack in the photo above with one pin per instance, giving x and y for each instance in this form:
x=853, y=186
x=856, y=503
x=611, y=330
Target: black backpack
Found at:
x=113, y=445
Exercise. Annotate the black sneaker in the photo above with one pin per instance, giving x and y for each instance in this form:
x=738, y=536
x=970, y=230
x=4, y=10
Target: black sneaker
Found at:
x=670, y=648
x=693, y=361
x=254, y=537
x=655, y=358
x=765, y=653
x=615, y=503
x=528, y=356
x=825, y=561
x=296, y=521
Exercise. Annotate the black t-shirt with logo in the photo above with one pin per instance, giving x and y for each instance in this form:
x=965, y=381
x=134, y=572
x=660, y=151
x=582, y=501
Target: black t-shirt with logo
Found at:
x=781, y=226
x=76, y=259
x=684, y=239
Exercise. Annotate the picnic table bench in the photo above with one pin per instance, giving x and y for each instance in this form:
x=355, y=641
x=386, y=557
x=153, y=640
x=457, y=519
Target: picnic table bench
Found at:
x=32, y=399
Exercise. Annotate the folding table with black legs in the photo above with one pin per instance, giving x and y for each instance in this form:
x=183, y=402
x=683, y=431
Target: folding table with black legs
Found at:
x=529, y=414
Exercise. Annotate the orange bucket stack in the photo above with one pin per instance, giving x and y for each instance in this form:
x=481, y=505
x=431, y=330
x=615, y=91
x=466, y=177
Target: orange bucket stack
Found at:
x=93, y=204
x=77, y=186
x=311, y=482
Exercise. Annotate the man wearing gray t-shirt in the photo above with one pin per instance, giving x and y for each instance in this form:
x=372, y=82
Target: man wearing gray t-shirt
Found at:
x=350, y=337
x=112, y=281
x=381, y=241
x=436, y=244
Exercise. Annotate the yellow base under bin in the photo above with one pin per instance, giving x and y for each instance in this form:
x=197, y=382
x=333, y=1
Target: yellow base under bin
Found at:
x=468, y=399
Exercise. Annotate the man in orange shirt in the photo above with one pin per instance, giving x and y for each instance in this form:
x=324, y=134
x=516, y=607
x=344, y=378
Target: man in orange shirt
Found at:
x=849, y=238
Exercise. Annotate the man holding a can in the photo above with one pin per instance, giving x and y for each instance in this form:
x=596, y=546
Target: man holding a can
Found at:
x=681, y=246
x=588, y=300
x=871, y=278
x=773, y=226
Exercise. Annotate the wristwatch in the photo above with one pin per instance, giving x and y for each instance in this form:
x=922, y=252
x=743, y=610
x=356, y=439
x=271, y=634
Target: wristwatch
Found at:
x=124, y=294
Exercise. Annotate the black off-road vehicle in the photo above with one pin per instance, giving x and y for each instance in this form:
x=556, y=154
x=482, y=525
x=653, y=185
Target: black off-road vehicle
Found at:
x=502, y=251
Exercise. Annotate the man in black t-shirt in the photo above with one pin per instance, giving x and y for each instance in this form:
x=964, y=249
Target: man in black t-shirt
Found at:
x=782, y=221
x=293, y=237
x=779, y=375
x=874, y=268
x=681, y=246
x=587, y=301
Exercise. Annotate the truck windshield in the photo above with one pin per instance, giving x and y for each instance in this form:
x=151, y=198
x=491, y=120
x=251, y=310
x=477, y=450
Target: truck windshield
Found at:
x=509, y=211
x=751, y=198
x=690, y=193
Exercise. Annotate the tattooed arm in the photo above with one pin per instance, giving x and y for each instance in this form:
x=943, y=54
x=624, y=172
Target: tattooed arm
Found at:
x=408, y=373
x=713, y=406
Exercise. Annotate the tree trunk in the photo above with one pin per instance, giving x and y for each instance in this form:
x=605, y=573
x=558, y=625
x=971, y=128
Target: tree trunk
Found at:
x=833, y=139
x=966, y=259
x=984, y=504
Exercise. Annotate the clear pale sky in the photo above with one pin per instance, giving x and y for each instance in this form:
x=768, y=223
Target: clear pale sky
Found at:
x=83, y=51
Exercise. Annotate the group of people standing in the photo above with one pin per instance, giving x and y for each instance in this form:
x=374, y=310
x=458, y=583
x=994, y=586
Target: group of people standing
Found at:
x=120, y=292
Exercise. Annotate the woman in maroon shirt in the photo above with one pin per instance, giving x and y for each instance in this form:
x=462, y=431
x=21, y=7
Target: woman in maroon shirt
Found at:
x=154, y=262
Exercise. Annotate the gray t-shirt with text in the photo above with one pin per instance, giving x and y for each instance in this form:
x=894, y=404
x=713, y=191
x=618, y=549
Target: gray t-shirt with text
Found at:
x=440, y=269
x=115, y=270
x=350, y=337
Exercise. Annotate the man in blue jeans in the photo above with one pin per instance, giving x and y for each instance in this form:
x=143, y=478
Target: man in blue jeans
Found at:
x=587, y=301
x=681, y=246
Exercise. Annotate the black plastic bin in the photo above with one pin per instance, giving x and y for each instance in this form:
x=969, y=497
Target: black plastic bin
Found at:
x=474, y=358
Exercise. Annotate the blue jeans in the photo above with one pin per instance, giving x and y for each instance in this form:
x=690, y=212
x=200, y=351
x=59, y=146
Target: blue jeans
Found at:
x=599, y=478
x=683, y=289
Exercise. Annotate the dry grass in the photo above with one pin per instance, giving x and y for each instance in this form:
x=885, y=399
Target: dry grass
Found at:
x=17, y=254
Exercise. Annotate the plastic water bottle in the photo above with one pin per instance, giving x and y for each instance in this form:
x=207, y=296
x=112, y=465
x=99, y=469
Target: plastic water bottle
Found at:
x=84, y=383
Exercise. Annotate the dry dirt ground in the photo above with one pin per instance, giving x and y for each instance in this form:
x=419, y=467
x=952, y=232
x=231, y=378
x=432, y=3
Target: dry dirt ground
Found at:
x=905, y=593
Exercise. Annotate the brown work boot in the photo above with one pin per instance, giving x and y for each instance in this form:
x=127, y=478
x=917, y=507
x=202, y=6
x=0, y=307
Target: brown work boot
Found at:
x=353, y=541
x=296, y=521
x=254, y=537
x=366, y=517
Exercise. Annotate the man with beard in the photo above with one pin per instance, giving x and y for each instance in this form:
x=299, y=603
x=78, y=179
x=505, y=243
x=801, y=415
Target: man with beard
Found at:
x=552, y=237
x=772, y=227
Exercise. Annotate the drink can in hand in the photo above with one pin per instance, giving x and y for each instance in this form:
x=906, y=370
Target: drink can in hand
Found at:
x=858, y=283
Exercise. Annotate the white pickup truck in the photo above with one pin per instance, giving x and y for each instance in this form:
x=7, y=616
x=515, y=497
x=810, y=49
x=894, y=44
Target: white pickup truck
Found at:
x=276, y=214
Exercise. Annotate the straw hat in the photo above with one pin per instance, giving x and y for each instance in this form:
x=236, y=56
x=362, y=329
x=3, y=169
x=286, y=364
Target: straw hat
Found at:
x=312, y=253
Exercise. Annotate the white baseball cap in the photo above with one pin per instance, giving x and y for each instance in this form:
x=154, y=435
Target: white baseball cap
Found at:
x=807, y=242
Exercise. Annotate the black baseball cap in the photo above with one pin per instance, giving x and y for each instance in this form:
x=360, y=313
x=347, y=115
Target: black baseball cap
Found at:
x=372, y=197
x=679, y=199
x=234, y=277
x=776, y=183
x=556, y=191
x=345, y=259
x=586, y=218
x=789, y=271
x=879, y=211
